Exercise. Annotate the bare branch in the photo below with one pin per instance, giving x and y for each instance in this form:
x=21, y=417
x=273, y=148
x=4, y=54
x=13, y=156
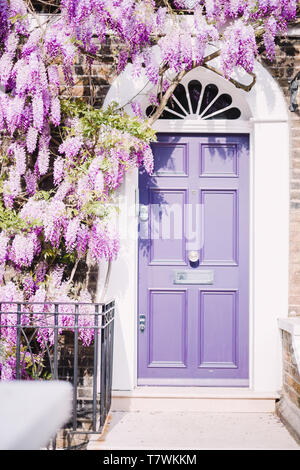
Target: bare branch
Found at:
x=133, y=98
x=53, y=4
x=106, y=283
x=33, y=13
x=166, y=97
x=212, y=56
x=180, y=76
x=168, y=6
x=232, y=80
x=73, y=271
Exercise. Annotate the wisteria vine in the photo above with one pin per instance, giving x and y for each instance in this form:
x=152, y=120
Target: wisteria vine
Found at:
x=62, y=160
x=61, y=163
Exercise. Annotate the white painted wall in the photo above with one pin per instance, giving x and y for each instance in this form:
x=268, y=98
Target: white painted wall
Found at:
x=123, y=288
x=269, y=141
x=270, y=241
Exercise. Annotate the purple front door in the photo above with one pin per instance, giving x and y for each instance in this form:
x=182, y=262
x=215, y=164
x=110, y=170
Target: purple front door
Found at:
x=193, y=317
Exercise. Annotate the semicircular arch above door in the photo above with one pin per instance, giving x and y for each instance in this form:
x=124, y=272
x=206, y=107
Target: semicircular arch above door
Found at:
x=203, y=95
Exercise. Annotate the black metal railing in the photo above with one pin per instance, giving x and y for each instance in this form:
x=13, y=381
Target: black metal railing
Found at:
x=62, y=341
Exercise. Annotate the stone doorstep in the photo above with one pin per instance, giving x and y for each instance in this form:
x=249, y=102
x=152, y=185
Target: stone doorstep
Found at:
x=203, y=399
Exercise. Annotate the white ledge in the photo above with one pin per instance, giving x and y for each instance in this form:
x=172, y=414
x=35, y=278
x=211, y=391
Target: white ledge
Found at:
x=291, y=325
x=195, y=393
x=293, y=31
x=269, y=120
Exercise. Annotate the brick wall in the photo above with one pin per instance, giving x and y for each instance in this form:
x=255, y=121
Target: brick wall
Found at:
x=288, y=408
x=284, y=68
x=291, y=374
x=102, y=75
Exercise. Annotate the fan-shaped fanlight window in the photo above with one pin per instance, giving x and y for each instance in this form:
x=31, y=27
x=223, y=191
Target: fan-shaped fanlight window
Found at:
x=205, y=102
x=195, y=89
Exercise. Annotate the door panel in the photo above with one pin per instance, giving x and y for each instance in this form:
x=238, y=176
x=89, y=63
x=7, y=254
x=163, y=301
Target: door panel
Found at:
x=167, y=308
x=173, y=159
x=194, y=262
x=167, y=234
x=218, y=160
x=218, y=334
x=220, y=227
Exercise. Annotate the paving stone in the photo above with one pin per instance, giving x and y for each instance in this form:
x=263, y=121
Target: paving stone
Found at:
x=190, y=430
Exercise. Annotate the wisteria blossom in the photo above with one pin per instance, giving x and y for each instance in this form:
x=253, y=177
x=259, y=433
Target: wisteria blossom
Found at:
x=4, y=239
x=56, y=191
x=134, y=22
x=63, y=161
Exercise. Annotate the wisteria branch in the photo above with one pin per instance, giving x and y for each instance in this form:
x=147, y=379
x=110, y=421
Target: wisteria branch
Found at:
x=232, y=80
x=166, y=97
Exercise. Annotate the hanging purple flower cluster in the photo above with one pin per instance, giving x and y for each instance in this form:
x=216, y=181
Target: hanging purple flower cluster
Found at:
x=57, y=197
x=48, y=227
x=39, y=315
x=182, y=41
x=93, y=187
x=30, y=76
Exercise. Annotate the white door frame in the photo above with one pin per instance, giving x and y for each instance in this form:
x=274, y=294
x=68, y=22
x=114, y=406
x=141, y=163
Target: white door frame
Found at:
x=268, y=128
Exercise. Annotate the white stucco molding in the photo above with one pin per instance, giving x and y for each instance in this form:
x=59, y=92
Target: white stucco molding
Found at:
x=265, y=102
x=266, y=120
x=292, y=326
x=294, y=31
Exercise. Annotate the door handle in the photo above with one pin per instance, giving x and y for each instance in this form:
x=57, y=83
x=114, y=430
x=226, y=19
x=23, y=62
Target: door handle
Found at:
x=193, y=256
x=144, y=213
x=142, y=322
